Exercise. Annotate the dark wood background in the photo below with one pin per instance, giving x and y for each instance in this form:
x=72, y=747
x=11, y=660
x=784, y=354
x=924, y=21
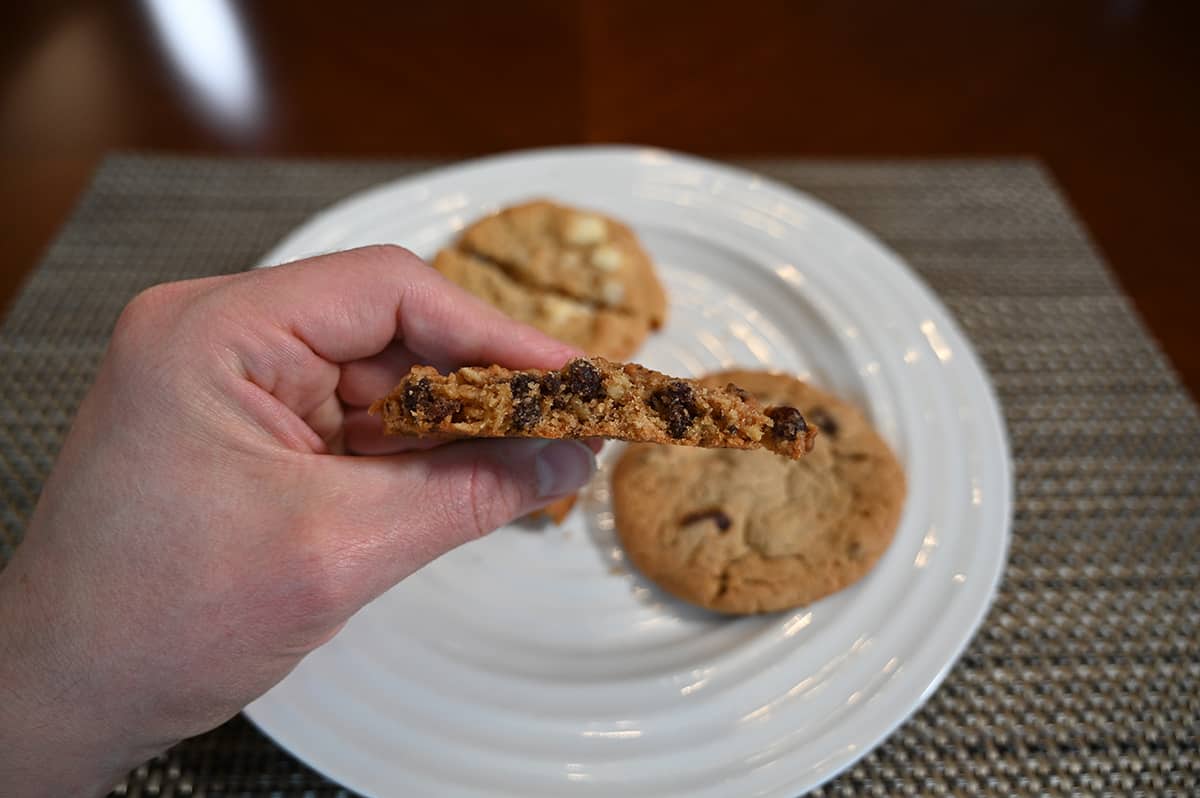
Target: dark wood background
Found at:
x=1107, y=94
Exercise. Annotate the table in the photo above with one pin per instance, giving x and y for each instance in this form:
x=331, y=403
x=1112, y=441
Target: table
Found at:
x=1083, y=678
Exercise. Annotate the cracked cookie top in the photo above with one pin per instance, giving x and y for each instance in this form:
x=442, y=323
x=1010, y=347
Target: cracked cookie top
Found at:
x=576, y=275
x=745, y=532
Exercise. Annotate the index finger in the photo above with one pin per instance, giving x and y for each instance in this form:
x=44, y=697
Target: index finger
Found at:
x=350, y=305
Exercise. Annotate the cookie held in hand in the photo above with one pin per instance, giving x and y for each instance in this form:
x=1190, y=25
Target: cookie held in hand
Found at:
x=590, y=398
x=744, y=532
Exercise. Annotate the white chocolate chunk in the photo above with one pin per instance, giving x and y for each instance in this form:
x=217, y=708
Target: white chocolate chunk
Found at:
x=585, y=230
x=612, y=292
x=606, y=258
x=559, y=310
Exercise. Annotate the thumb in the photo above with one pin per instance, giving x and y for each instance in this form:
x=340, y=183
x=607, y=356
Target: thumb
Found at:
x=402, y=511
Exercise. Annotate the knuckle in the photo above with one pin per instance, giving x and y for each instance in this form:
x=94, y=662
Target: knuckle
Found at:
x=147, y=313
x=389, y=257
x=389, y=251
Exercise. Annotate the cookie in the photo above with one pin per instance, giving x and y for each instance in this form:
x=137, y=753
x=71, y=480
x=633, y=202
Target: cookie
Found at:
x=557, y=511
x=587, y=398
x=576, y=275
x=747, y=532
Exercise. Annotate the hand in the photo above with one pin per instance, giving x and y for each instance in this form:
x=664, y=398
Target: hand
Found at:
x=197, y=538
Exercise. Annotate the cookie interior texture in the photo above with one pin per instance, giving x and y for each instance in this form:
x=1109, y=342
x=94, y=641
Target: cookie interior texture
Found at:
x=578, y=276
x=745, y=532
x=590, y=397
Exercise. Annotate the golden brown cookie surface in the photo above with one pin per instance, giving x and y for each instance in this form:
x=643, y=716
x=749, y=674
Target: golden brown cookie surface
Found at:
x=745, y=532
x=576, y=275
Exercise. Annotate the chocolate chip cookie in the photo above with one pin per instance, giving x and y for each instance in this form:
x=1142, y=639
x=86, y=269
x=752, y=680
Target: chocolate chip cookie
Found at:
x=746, y=532
x=590, y=397
x=576, y=275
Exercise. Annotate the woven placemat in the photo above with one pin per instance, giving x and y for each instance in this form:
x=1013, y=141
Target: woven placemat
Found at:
x=1085, y=678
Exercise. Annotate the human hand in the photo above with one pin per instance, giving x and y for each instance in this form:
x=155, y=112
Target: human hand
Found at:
x=197, y=537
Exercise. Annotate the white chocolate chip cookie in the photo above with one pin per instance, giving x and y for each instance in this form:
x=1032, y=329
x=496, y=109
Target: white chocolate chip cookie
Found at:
x=576, y=275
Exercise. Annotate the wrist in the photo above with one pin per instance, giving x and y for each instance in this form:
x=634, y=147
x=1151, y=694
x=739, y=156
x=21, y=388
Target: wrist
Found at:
x=59, y=738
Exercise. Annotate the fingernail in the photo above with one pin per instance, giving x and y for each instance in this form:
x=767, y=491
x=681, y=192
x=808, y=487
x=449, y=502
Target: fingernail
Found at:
x=563, y=467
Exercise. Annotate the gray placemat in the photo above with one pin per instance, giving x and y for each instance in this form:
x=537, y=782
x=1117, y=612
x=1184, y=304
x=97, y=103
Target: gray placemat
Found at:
x=1085, y=678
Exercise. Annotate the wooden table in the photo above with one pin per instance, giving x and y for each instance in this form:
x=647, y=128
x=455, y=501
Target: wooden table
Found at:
x=1107, y=94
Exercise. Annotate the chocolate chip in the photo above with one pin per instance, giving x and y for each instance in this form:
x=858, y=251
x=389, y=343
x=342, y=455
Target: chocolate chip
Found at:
x=526, y=413
x=521, y=384
x=584, y=380
x=824, y=421
x=676, y=403
x=551, y=386
x=441, y=408
x=718, y=517
x=788, y=423
x=527, y=407
x=417, y=395
x=678, y=423
x=419, y=400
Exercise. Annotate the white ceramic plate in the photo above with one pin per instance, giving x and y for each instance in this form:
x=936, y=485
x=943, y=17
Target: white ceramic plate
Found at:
x=536, y=661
